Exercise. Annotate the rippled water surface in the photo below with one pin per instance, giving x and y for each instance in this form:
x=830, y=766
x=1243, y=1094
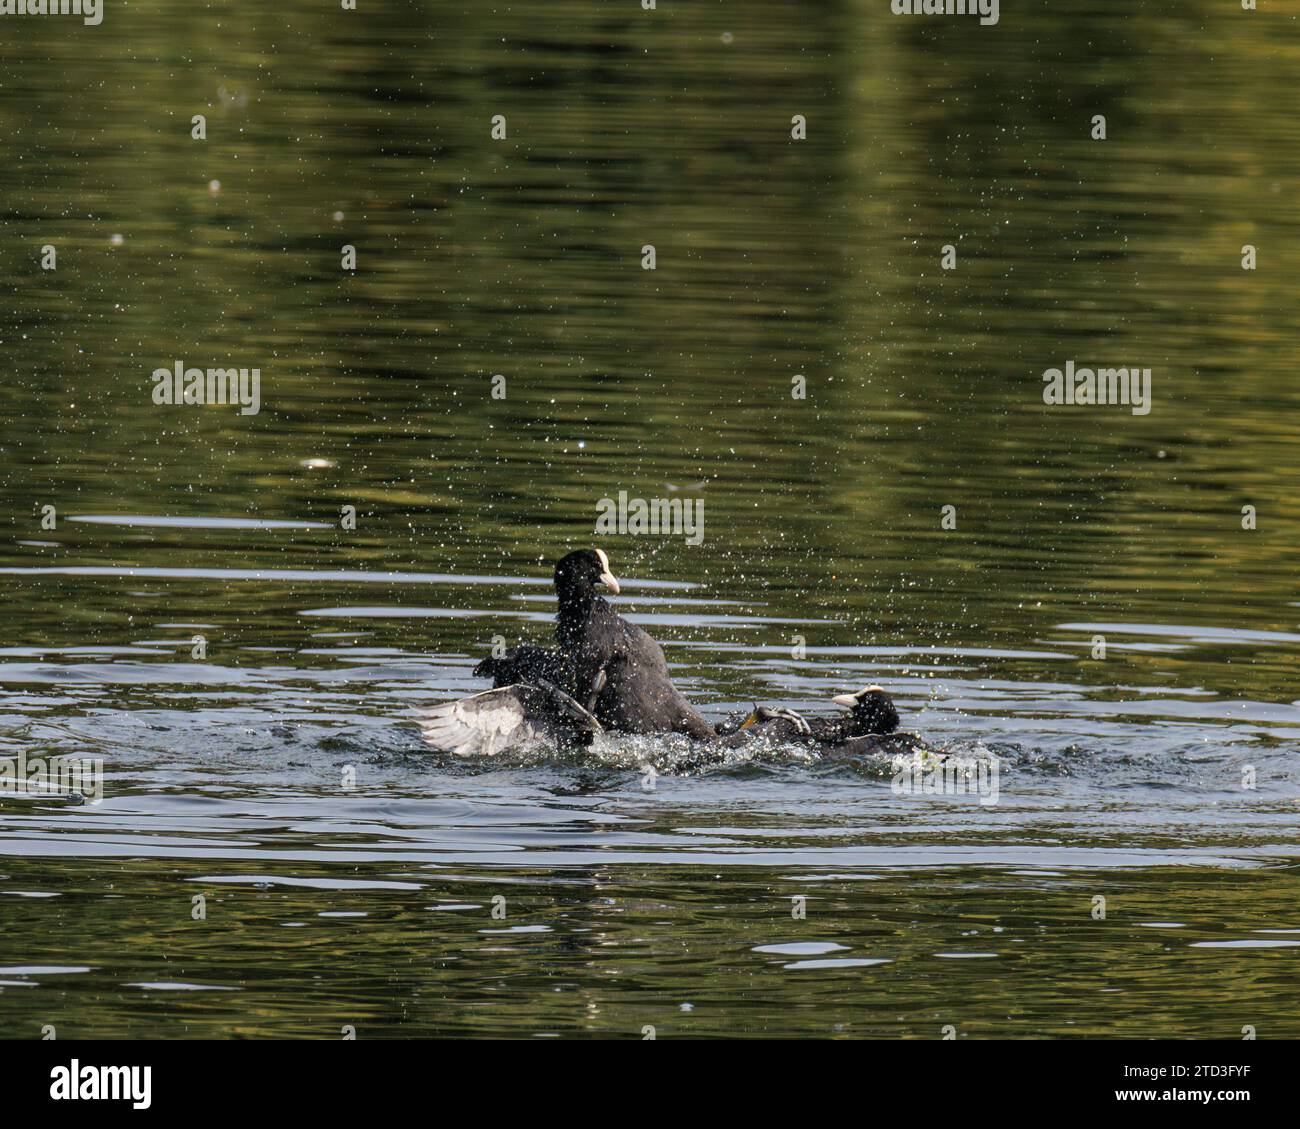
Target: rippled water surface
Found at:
x=1098, y=620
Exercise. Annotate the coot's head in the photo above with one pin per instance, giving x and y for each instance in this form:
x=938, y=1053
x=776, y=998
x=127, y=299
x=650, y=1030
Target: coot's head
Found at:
x=871, y=709
x=579, y=572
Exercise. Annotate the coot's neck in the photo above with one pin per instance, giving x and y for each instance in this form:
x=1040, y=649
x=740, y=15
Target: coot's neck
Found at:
x=576, y=605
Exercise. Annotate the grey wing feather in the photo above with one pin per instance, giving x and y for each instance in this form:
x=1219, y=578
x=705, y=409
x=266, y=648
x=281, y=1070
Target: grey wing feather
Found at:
x=484, y=724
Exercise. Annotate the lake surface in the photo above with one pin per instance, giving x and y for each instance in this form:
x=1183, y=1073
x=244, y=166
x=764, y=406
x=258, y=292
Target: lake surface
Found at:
x=348, y=877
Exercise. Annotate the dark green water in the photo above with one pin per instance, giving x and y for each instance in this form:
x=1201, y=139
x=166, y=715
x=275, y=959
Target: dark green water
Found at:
x=823, y=565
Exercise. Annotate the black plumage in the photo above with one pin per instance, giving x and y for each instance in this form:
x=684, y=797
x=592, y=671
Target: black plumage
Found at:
x=877, y=745
x=529, y=663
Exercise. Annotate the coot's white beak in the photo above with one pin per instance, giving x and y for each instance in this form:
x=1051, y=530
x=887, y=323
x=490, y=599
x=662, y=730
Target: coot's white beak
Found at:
x=606, y=577
x=848, y=701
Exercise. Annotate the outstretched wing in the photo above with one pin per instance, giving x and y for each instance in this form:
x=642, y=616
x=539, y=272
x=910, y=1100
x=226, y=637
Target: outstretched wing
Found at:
x=507, y=718
x=487, y=723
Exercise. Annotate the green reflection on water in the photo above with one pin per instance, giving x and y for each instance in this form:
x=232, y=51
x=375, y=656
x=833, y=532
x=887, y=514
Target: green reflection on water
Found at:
x=775, y=258
x=588, y=952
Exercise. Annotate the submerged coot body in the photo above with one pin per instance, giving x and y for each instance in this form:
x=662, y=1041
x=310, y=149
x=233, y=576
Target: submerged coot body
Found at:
x=868, y=729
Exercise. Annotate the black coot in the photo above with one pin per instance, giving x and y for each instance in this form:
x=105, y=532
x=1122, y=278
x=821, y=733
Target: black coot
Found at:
x=869, y=728
x=638, y=696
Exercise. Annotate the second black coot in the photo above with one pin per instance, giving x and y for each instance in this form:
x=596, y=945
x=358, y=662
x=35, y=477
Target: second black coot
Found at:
x=871, y=712
x=869, y=728
x=528, y=663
